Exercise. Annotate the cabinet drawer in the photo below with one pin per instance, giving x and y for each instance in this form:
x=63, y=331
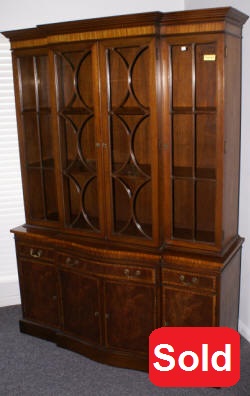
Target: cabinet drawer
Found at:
x=134, y=273
x=37, y=252
x=188, y=279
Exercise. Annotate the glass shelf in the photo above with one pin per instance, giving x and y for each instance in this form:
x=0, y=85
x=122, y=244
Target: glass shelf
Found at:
x=188, y=234
x=129, y=111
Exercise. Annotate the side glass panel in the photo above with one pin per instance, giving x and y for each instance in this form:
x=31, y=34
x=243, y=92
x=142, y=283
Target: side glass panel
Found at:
x=182, y=95
x=183, y=148
x=77, y=135
x=183, y=197
x=130, y=131
x=194, y=141
x=206, y=145
x=36, y=119
x=205, y=63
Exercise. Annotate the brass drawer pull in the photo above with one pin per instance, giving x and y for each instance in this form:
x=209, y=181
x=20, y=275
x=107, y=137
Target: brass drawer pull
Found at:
x=71, y=262
x=96, y=314
x=194, y=280
x=36, y=253
x=136, y=273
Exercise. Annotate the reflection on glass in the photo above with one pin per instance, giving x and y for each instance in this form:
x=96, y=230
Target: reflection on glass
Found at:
x=130, y=136
x=194, y=141
x=36, y=120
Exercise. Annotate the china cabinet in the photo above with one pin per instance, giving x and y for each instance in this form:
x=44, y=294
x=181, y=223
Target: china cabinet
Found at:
x=129, y=133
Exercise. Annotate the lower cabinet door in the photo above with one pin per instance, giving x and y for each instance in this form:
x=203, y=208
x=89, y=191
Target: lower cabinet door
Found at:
x=38, y=283
x=81, y=314
x=187, y=307
x=130, y=315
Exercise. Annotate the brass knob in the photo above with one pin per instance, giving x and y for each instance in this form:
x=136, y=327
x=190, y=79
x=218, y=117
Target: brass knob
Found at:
x=182, y=278
x=137, y=273
x=96, y=314
x=36, y=253
x=126, y=272
x=195, y=280
x=68, y=260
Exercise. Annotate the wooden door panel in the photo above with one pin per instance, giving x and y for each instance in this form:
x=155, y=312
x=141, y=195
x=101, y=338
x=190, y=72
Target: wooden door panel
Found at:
x=130, y=315
x=185, y=307
x=39, y=292
x=80, y=305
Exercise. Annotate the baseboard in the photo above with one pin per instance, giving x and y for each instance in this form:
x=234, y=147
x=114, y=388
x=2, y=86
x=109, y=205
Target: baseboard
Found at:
x=244, y=330
x=9, y=291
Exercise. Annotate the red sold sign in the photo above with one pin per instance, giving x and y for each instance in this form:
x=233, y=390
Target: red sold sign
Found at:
x=194, y=357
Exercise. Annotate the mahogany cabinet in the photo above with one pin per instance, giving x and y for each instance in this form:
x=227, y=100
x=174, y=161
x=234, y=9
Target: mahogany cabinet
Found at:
x=129, y=134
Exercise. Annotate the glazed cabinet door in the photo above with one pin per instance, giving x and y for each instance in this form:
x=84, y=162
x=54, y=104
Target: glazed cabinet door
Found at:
x=81, y=313
x=128, y=78
x=39, y=291
x=34, y=115
x=78, y=115
x=196, y=124
x=130, y=315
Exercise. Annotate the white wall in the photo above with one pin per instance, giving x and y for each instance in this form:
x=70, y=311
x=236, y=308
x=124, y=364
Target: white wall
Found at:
x=11, y=203
x=244, y=219
x=28, y=13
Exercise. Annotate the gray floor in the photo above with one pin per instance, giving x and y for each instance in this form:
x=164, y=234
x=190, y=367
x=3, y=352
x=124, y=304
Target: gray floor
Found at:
x=33, y=367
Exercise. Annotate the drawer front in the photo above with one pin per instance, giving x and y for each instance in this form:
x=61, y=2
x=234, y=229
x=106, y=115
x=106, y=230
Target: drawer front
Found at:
x=35, y=252
x=134, y=273
x=188, y=279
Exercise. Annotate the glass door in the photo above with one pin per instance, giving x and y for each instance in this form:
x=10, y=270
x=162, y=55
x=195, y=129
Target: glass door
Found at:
x=132, y=138
x=194, y=156
x=78, y=101
x=35, y=115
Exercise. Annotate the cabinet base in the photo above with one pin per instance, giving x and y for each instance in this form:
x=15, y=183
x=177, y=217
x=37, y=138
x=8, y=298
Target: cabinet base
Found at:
x=36, y=330
x=135, y=361
x=111, y=357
